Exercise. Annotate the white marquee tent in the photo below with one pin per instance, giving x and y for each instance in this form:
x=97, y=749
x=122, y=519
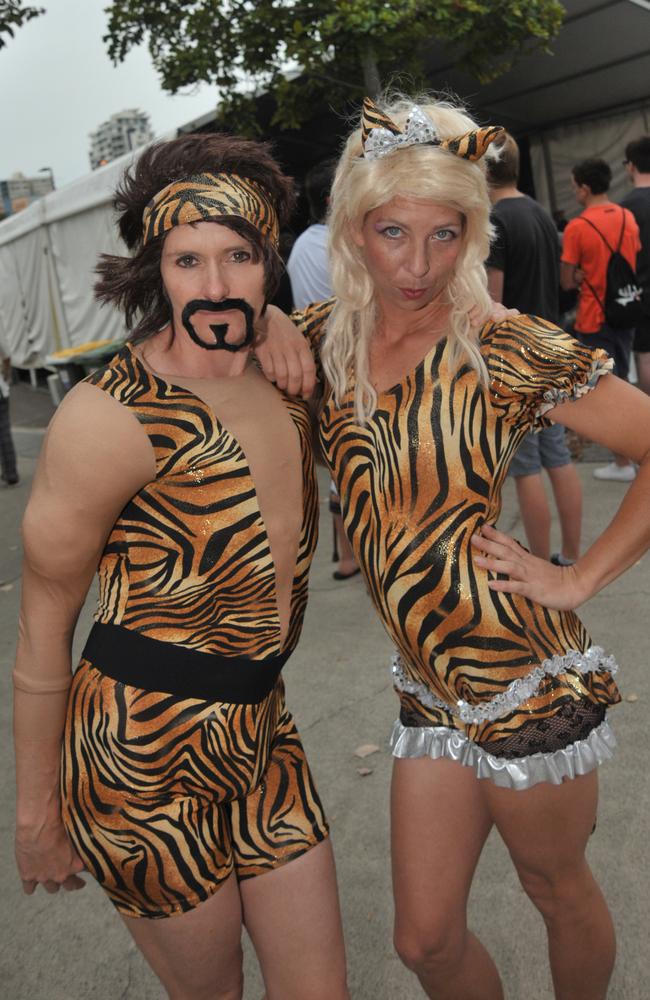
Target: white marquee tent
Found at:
x=48, y=254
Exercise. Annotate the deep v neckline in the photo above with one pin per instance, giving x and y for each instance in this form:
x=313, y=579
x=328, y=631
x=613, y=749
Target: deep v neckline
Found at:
x=221, y=428
x=430, y=356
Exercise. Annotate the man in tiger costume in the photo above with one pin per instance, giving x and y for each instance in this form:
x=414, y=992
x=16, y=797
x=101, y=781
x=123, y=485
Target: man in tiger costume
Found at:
x=170, y=768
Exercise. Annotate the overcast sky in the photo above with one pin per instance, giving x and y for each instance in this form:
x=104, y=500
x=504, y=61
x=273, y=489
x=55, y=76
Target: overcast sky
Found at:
x=57, y=85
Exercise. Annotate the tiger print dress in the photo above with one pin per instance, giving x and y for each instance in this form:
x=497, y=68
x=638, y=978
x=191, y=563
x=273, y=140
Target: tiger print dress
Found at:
x=490, y=679
x=164, y=795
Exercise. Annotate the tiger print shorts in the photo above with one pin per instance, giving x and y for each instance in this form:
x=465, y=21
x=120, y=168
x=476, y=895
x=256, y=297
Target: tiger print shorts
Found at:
x=165, y=797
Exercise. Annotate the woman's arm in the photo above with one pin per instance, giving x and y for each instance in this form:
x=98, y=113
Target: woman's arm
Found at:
x=616, y=415
x=94, y=459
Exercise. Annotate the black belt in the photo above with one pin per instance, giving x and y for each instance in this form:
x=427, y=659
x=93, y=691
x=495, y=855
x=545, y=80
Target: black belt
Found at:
x=152, y=665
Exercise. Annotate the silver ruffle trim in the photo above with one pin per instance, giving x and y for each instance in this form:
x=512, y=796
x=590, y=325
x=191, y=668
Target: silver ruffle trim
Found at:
x=517, y=773
x=553, y=397
x=518, y=691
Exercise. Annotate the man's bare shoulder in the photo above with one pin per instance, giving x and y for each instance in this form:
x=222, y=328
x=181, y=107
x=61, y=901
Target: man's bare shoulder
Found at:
x=95, y=444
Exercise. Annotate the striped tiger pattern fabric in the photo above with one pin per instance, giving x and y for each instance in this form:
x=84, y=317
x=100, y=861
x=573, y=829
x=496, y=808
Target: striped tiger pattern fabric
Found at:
x=210, y=196
x=372, y=117
x=473, y=145
x=164, y=796
x=416, y=483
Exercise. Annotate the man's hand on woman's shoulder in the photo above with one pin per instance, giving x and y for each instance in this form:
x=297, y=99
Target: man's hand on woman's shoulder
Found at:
x=284, y=354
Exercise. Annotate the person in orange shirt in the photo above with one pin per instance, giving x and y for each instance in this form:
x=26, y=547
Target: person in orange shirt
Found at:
x=585, y=255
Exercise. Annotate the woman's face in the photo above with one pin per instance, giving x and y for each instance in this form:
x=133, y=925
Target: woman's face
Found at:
x=206, y=260
x=410, y=247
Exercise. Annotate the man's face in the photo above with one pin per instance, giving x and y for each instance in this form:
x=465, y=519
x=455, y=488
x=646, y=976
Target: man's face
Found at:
x=204, y=265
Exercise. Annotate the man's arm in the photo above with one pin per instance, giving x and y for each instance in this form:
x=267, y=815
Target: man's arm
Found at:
x=570, y=276
x=284, y=354
x=95, y=457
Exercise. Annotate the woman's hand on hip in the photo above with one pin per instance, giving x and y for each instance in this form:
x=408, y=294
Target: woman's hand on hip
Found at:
x=522, y=573
x=45, y=856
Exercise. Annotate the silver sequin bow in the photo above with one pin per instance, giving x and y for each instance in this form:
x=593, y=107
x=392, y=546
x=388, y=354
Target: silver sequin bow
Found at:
x=418, y=129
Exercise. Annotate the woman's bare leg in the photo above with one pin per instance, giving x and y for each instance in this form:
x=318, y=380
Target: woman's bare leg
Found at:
x=197, y=956
x=439, y=826
x=567, y=490
x=546, y=830
x=535, y=513
x=292, y=916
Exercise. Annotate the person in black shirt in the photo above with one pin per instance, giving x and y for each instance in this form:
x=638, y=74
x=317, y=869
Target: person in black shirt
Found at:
x=524, y=273
x=637, y=164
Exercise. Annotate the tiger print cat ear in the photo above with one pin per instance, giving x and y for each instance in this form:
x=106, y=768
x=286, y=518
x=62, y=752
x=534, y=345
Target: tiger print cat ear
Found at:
x=473, y=145
x=380, y=135
x=373, y=118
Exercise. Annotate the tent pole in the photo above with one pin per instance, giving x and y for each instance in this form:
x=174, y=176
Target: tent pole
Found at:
x=56, y=306
x=548, y=168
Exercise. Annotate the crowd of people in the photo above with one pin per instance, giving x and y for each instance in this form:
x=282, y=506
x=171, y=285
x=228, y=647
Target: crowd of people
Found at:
x=168, y=765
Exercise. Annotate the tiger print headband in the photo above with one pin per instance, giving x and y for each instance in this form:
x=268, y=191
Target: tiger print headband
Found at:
x=380, y=135
x=210, y=196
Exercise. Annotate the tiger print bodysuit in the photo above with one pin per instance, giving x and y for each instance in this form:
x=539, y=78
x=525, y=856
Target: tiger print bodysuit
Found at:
x=486, y=678
x=192, y=767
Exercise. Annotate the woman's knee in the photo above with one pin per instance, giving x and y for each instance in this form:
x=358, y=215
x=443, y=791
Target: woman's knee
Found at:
x=437, y=947
x=559, y=895
x=232, y=990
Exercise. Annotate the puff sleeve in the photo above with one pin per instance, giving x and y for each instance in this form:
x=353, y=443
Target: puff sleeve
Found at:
x=534, y=366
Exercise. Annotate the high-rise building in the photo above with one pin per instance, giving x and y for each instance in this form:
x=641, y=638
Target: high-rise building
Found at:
x=120, y=134
x=18, y=191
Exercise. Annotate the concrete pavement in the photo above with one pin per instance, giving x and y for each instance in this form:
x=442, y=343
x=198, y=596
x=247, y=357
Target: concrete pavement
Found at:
x=72, y=947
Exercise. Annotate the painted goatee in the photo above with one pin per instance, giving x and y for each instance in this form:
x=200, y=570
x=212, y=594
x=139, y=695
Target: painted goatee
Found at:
x=219, y=329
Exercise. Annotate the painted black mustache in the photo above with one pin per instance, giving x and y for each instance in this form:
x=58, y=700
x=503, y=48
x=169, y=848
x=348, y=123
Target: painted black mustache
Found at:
x=219, y=329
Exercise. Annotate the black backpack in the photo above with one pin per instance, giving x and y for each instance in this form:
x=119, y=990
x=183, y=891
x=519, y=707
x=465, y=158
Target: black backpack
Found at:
x=623, y=294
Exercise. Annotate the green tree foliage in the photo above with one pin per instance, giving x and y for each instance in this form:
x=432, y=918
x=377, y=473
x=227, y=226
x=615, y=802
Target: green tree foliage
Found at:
x=13, y=14
x=342, y=48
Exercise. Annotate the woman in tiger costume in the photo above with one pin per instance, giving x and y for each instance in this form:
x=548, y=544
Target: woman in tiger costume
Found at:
x=186, y=478
x=503, y=695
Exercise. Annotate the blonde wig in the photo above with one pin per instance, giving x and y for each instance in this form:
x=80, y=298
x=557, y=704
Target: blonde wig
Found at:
x=361, y=185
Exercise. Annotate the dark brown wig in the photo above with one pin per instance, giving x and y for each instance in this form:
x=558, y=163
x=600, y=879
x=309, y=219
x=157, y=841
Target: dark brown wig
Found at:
x=134, y=284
